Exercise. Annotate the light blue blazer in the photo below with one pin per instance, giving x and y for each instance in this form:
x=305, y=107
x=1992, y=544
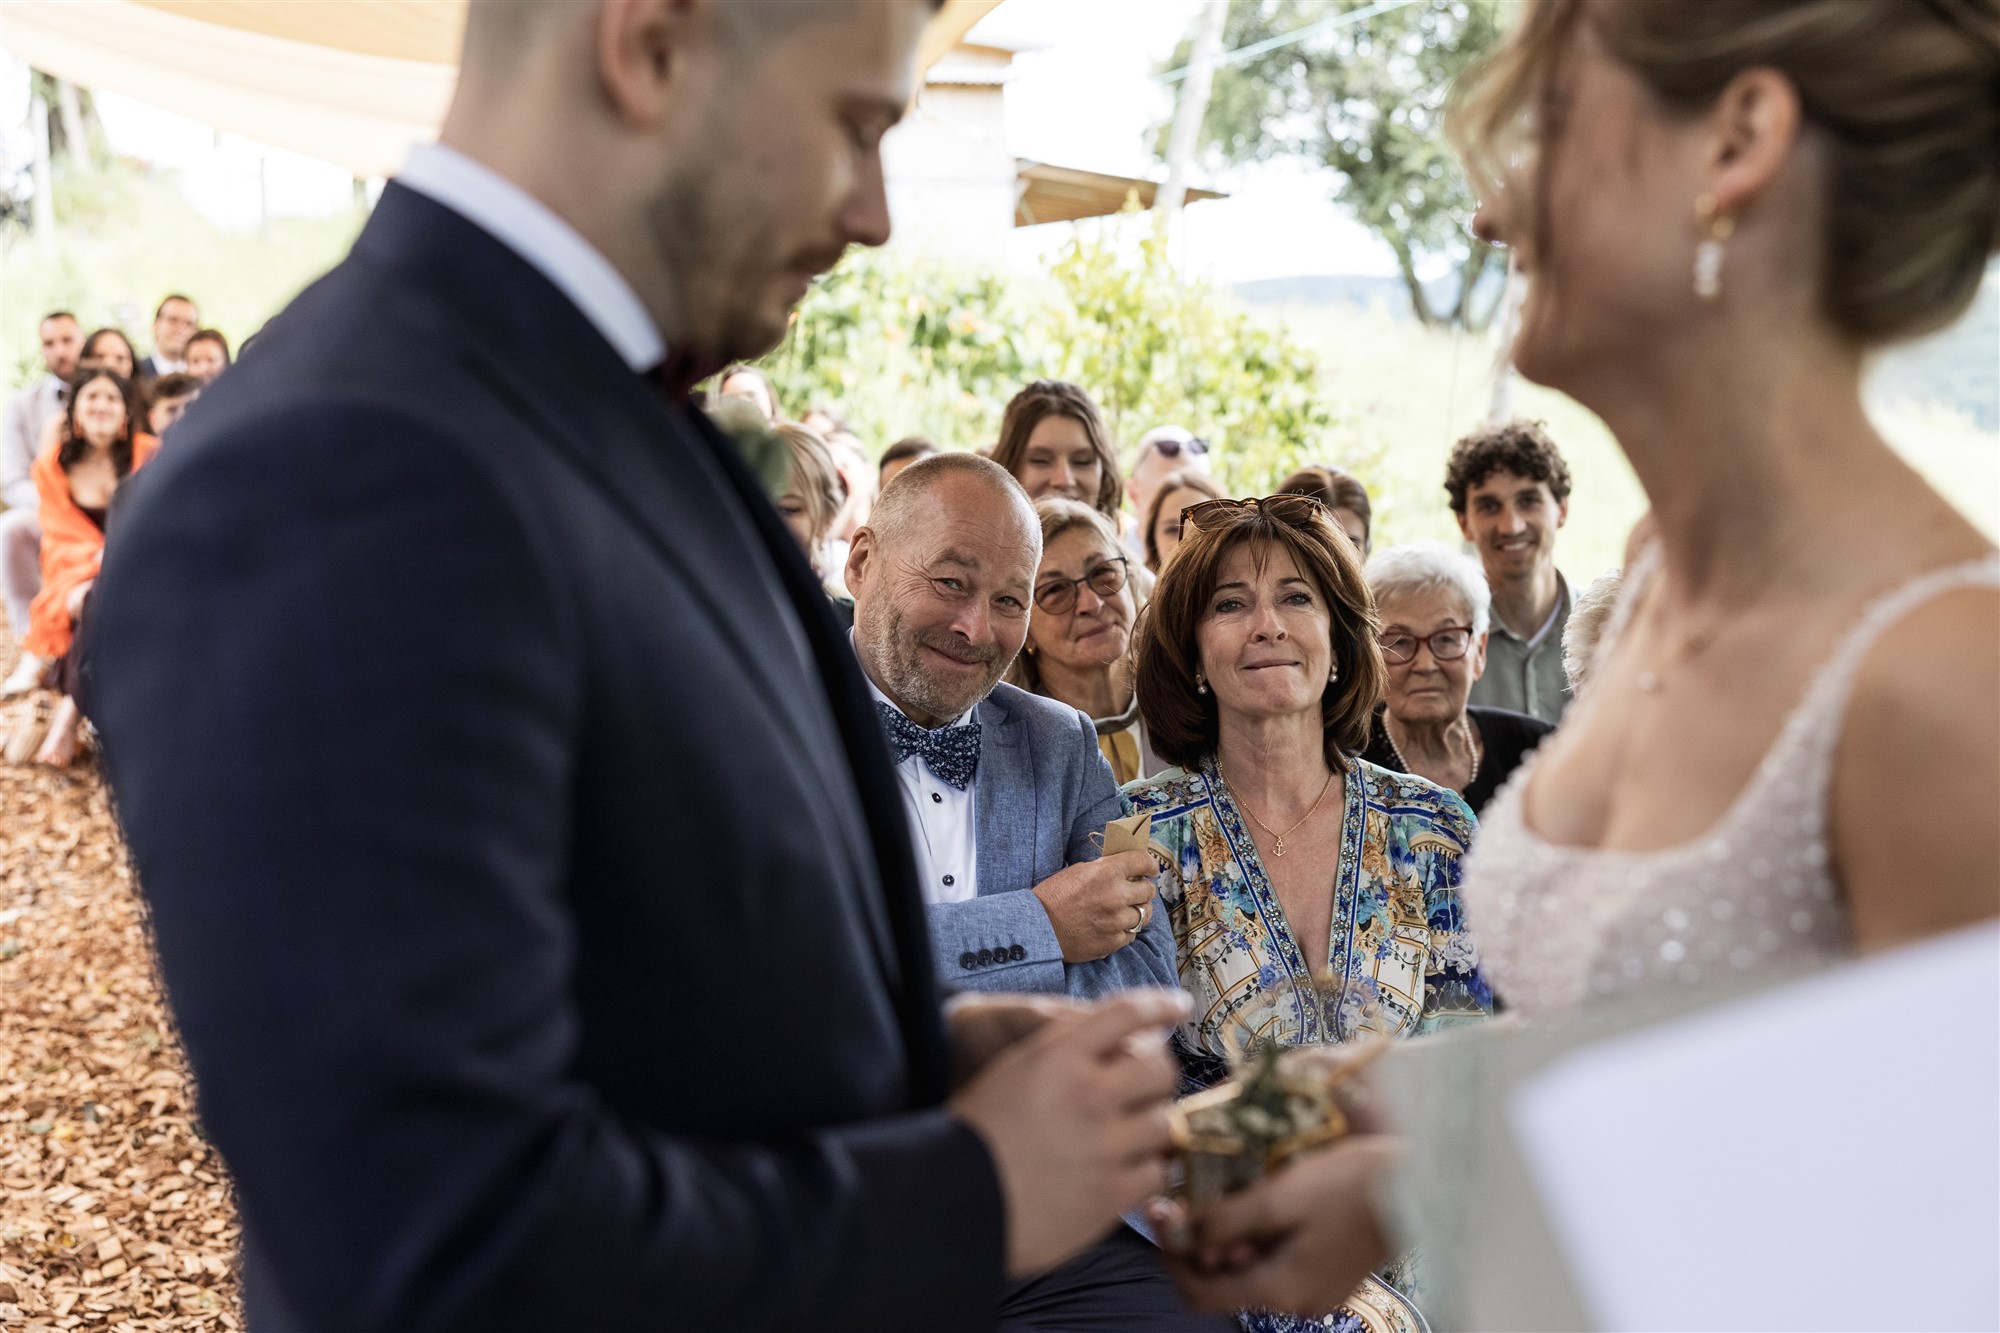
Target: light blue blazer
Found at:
x=1041, y=790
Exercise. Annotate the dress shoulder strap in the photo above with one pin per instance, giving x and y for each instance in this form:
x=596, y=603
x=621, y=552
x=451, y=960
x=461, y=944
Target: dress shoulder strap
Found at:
x=1815, y=723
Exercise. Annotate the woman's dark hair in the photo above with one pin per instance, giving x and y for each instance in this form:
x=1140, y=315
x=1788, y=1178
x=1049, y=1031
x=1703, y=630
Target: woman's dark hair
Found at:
x=915, y=446
x=1336, y=488
x=210, y=336
x=1188, y=479
x=73, y=447
x=1053, y=398
x=1182, y=722
x=89, y=351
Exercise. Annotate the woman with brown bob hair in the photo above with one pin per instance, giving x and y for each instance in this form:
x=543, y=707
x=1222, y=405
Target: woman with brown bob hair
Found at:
x=1258, y=673
x=1052, y=438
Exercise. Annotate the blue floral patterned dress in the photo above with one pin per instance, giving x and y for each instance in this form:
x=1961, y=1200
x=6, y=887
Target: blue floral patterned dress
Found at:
x=1399, y=959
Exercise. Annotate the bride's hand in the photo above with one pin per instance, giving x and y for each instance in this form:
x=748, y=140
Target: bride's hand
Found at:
x=1300, y=1241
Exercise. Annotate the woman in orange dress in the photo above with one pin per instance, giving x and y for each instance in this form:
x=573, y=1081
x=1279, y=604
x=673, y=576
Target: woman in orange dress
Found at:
x=98, y=448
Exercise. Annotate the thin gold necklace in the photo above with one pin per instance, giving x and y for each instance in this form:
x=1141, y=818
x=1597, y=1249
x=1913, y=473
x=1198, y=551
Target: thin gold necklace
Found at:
x=1277, y=839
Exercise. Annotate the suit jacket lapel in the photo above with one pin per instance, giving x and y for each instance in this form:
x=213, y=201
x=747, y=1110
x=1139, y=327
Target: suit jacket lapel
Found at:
x=1004, y=784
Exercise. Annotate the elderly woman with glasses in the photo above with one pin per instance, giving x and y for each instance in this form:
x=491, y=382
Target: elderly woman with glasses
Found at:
x=1432, y=604
x=1313, y=895
x=1080, y=635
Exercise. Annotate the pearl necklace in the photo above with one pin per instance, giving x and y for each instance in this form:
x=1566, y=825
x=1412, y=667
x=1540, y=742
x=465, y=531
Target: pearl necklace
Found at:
x=1471, y=741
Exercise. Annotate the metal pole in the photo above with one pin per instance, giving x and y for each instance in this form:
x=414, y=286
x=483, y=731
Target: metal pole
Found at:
x=42, y=211
x=1193, y=106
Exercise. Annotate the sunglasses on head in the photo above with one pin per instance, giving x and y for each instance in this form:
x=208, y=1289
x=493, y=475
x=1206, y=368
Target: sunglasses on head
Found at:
x=1294, y=511
x=1172, y=448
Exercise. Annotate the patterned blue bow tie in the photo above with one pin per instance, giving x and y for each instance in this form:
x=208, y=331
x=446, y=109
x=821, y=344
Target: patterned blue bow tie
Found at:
x=951, y=752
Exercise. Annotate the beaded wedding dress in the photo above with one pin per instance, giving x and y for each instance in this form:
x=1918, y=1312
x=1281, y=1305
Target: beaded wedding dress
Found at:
x=1753, y=898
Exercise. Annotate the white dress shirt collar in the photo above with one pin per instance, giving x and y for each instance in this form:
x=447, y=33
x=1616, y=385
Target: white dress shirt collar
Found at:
x=532, y=230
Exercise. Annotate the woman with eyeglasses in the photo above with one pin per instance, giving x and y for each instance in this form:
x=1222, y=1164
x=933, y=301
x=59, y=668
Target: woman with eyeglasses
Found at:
x=1080, y=635
x=1433, y=605
x=1313, y=894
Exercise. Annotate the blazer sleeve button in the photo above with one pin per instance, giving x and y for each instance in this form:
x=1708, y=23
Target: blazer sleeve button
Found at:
x=986, y=958
x=1018, y=953
x=968, y=960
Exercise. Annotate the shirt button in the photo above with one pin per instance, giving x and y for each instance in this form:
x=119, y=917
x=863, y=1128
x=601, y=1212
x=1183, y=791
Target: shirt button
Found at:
x=937, y=798
x=949, y=881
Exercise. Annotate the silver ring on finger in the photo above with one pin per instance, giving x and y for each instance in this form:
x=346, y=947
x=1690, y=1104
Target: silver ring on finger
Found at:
x=1140, y=924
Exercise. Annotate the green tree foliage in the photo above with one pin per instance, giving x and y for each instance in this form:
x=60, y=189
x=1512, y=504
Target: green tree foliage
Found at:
x=907, y=346
x=1366, y=98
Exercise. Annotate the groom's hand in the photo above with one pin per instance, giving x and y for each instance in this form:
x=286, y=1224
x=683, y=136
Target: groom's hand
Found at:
x=982, y=1026
x=1075, y=1116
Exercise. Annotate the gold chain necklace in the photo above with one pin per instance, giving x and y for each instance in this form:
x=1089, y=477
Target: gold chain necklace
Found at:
x=1277, y=839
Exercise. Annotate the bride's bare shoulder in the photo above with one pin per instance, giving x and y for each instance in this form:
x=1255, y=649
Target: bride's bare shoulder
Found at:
x=1916, y=789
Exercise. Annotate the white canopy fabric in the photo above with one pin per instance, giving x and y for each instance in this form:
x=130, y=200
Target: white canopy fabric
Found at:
x=354, y=82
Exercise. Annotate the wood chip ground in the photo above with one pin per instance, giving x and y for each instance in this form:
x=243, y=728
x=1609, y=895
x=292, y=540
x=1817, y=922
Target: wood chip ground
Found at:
x=114, y=1213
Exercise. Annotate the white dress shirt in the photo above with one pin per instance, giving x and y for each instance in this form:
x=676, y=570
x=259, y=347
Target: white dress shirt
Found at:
x=531, y=229
x=942, y=823
x=163, y=366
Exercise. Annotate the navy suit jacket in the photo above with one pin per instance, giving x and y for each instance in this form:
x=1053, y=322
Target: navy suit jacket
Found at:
x=1042, y=789
x=529, y=872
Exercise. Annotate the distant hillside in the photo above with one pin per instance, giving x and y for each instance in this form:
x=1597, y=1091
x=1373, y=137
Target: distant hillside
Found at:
x=1958, y=369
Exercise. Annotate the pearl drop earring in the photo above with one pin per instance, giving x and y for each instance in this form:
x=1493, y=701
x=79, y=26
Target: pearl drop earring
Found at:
x=1200, y=685
x=1708, y=255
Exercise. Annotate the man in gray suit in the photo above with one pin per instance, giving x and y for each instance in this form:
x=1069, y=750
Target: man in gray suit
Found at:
x=1004, y=789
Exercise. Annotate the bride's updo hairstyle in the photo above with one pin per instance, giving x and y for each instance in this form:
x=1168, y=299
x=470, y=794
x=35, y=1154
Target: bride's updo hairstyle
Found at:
x=1905, y=92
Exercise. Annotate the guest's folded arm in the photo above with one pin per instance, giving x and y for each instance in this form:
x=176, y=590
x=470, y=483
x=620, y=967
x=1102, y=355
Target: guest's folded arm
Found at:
x=348, y=798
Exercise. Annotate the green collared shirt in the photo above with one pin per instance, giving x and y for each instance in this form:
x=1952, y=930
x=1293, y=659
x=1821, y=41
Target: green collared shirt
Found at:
x=1527, y=675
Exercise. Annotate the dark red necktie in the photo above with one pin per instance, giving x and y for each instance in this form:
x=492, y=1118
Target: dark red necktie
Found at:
x=681, y=371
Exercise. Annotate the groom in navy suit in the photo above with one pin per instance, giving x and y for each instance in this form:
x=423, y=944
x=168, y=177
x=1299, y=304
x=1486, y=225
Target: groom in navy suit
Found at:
x=528, y=870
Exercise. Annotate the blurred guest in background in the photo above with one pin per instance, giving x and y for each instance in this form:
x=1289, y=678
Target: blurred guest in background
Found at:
x=31, y=415
x=1509, y=487
x=1079, y=641
x=1344, y=497
x=1163, y=517
x=111, y=350
x=899, y=456
x=171, y=397
x=1052, y=438
x=1432, y=605
x=1163, y=450
x=174, y=322
x=745, y=381
x=858, y=487
x=207, y=354
x=74, y=482
x=812, y=495
x=1587, y=623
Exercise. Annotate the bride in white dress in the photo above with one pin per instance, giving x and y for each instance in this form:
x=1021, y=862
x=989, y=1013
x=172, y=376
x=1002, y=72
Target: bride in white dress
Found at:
x=1790, y=748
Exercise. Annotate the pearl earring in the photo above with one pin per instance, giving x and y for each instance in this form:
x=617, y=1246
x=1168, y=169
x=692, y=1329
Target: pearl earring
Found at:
x=1200, y=685
x=1333, y=673
x=1708, y=255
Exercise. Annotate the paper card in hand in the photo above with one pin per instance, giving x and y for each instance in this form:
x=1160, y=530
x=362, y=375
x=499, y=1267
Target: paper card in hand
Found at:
x=1130, y=834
